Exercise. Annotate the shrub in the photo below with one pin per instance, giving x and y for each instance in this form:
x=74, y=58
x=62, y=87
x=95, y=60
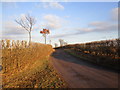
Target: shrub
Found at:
x=16, y=55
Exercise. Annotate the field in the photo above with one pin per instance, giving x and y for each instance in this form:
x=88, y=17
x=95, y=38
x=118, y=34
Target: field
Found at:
x=28, y=66
x=100, y=52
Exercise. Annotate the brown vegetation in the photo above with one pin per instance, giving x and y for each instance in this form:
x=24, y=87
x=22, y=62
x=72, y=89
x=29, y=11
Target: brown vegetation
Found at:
x=28, y=67
x=100, y=52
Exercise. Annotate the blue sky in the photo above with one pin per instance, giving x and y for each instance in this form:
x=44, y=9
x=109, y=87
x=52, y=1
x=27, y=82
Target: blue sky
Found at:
x=75, y=22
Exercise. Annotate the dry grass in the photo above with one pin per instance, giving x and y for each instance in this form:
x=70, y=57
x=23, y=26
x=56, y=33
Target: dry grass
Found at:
x=28, y=67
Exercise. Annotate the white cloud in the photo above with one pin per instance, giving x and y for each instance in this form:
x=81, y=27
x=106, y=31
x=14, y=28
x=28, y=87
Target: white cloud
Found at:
x=56, y=5
x=115, y=14
x=98, y=24
x=53, y=21
x=84, y=29
x=99, y=27
x=11, y=28
x=93, y=27
x=52, y=5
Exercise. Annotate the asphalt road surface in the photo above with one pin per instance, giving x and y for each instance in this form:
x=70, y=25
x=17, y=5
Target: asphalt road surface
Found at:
x=80, y=74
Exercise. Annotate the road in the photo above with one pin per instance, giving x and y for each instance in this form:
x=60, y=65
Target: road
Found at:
x=80, y=74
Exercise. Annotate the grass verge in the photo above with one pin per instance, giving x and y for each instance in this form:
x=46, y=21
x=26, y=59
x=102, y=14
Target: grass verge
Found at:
x=40, y=75
x=28, y=67
x=102, y=61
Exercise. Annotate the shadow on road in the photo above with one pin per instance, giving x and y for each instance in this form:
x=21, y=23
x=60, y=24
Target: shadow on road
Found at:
x=59, y=54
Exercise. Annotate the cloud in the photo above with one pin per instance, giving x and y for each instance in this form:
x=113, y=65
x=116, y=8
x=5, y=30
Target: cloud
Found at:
x=13, y=31
x=52, y=5
x=56, y=5
x=93, y=27
x=103, y=26
x=10, y=28
x=100, y=27
x=59, y=35
x=98, y=24
x=115, y=13
x=52, y=21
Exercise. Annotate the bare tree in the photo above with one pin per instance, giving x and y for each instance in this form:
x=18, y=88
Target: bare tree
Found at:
x=56, y=45
x=61, y=42
x=27, y=23
x=65, y=43
x=50, y=42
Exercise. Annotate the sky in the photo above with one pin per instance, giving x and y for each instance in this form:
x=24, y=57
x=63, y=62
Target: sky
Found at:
x=74, y=22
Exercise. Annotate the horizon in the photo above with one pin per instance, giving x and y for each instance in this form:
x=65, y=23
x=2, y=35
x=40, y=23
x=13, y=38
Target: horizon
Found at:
x=75, y=22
